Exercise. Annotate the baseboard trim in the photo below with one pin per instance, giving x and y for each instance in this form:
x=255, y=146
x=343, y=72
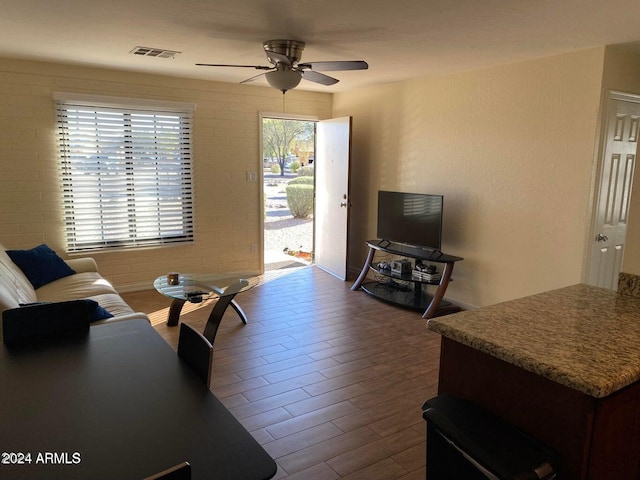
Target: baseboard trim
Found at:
x=134, y=287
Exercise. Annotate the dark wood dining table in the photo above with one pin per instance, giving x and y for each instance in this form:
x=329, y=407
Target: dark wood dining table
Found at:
x=116, y=403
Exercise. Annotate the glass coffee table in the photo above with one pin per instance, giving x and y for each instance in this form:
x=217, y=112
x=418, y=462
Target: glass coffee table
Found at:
x=198, y=287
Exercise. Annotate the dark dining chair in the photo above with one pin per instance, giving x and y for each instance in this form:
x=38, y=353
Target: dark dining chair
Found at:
x=182, y=471
x=197, y=351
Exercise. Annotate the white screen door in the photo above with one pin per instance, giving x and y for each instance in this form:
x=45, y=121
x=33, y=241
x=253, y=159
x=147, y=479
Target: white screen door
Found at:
x=614, y=194
x=333, y=148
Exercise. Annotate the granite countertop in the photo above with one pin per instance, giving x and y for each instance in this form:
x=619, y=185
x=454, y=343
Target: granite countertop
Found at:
x=584, y=337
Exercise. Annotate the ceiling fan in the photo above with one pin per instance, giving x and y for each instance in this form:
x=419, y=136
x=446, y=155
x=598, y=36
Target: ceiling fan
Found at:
x=286, y=72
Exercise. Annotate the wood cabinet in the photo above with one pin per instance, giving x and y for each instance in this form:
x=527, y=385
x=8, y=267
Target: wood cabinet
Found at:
x=563, y=365
x=597, y=438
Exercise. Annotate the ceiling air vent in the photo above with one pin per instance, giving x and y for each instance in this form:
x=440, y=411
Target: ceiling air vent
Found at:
x=154, y=52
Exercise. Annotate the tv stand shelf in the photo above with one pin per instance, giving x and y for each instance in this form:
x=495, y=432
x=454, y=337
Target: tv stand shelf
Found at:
x=408, y=296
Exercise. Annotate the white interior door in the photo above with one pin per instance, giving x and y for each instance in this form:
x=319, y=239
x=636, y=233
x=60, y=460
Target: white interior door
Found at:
x=333, y=148
x=614, y=194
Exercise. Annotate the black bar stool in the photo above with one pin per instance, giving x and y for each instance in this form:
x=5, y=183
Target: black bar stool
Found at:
x=465, y=441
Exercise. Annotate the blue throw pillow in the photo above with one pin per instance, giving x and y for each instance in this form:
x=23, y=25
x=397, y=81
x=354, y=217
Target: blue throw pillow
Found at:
x=96, y=312
x=40, y=265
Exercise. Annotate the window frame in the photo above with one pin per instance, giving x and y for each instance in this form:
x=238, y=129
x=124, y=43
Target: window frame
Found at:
x=152, y=144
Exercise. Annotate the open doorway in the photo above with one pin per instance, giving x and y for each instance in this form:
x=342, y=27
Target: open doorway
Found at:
x=288, y=153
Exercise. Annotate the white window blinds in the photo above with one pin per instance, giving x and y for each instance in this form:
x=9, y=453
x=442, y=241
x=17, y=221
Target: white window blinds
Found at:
x=126, y=175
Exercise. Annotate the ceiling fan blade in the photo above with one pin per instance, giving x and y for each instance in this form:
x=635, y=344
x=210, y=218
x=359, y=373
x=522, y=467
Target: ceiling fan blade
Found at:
x=335, y=66
x=318, y=77
x=255, y=77
x=257, y=67
x=278, y=57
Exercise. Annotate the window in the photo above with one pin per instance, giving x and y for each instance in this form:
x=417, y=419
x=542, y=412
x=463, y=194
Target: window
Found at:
x=125, y=169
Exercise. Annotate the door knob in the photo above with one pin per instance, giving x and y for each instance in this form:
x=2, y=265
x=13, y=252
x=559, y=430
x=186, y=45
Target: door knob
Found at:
x=601, y=238
x=344, y=204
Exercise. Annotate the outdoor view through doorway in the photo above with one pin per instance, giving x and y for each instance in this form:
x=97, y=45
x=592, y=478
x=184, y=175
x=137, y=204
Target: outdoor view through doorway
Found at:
x=289, y=185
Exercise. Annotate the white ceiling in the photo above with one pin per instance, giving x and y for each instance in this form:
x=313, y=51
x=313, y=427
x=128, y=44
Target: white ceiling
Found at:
x=399, y=39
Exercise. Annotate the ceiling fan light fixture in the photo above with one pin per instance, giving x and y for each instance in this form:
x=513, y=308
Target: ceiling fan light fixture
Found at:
x=283, y=80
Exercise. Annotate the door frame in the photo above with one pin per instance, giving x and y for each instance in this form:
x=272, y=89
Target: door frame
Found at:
x=260, y=176
x=608, y=96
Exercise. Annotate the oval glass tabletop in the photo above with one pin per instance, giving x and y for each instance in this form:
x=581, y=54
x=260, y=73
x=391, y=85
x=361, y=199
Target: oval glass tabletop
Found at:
x=196, y=287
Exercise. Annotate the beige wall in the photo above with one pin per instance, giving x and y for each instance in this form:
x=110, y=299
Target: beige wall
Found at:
x=511, y=149
x=226, y=137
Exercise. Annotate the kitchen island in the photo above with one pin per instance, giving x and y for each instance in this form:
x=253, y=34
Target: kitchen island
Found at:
x=562, y=365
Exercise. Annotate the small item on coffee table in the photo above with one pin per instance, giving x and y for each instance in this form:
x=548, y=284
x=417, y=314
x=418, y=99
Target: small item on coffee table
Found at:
x=195, y=297
x=173, y=278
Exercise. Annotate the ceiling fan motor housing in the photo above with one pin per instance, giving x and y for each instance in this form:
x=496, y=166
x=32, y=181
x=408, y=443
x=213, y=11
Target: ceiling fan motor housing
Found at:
x=292, y=49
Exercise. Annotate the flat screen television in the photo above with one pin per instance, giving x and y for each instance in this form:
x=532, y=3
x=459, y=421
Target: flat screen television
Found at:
x=410, y=218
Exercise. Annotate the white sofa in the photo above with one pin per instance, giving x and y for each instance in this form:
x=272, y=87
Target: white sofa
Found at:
x=86, y=283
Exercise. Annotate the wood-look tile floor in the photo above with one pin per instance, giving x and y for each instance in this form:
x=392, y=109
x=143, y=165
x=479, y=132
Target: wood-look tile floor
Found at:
x=330, y=381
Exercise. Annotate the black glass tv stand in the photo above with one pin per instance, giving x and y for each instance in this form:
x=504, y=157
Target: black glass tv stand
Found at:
x=395, y=287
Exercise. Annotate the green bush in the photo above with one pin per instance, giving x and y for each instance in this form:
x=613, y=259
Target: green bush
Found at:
x=301, y=181
x=275, y=169
x=300, y=200
x=305, y=172
x=294, y=166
